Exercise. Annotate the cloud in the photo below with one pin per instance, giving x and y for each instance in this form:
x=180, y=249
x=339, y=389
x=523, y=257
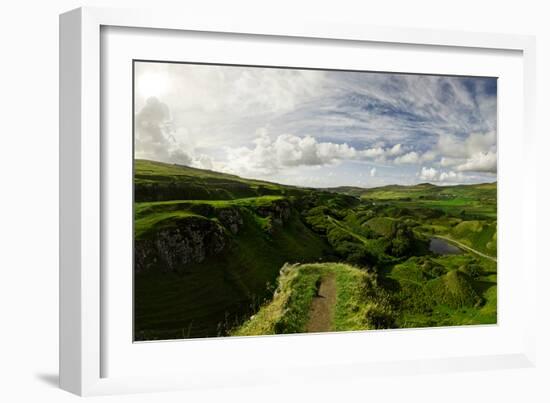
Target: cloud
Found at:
x=453, y=146
x=395, y=150
x=283, y=124
x=406, y=108
x=377, y=152
x=481, y=142
x=450, y=176
x=428, y=156
x=450, y=161
x=450, y=145
x=443, y=177
x=480, y=162
x=428, y=174
x=154, y=138
x=409, y=158
x=224, y=105
x=285, y=151
x=373, y=171
x=291, y=150
x=476, y=152
x=270, y=155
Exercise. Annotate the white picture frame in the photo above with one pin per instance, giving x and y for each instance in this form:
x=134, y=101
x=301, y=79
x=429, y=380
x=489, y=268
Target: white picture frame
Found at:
x=82, y=167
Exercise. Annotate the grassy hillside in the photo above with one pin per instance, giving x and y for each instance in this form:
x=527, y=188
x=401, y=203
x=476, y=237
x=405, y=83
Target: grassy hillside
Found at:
x=423, y=295
x=157, y=181
x=465, y=213
x=426, y=191
x=444, y=290
x=207, y=297
x=212, y=290
x=360, y=304
x=153, y=215
x=209, y=248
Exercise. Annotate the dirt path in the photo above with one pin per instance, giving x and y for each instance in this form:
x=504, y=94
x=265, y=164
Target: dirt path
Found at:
x=322, y=307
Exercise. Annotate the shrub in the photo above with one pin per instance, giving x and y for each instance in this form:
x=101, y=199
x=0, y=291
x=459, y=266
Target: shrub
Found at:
x=401, y=244
x=379, y=313
x=432, y=269
x=380, y=316
x=473, y=270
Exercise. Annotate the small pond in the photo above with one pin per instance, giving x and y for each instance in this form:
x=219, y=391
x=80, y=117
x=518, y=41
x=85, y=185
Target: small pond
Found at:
x=442, y=247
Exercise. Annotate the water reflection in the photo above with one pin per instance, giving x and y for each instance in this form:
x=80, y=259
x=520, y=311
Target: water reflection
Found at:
x=442, y=247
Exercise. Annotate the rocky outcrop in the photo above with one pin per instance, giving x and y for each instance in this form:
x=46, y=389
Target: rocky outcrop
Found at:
x=278, y=210
x=188, y=240
x=192, y=239
x=230, y=219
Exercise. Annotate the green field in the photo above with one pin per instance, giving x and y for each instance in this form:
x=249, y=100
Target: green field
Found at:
x=220, y=255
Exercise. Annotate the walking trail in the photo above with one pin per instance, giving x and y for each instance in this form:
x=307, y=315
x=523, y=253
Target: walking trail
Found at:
x=322, y=307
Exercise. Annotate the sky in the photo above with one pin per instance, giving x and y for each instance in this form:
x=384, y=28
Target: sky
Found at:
x=317, y=128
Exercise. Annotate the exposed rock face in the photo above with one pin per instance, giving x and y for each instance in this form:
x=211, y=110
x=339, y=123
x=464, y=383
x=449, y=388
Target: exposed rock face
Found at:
x=231, y=219
x=279, y=211
x=191, y=239
x=145, y=255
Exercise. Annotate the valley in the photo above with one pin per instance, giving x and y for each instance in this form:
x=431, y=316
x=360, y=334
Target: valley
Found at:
x=220, y=255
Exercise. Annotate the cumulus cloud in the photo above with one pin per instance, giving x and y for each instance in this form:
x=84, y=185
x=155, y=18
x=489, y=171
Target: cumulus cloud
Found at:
x=380, y=154
x=270, y=155
x=452, y=146
x=154, y=138
x=475, y=152
x=481, y=142
x=377, y=152
x=480, y=162
x=428, y=174
x=395, y=150
x=224, y=105
x=409, y=158
x=443, y=177
x=450, y=176
x=428, y=156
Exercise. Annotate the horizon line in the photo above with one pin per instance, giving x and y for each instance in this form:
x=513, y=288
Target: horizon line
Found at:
x=313, y=187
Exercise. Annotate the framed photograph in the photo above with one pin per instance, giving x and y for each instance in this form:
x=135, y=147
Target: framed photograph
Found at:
x=274, y=200
x=246, y=197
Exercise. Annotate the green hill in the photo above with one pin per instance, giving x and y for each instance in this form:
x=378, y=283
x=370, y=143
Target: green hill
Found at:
x=209, y=247
x=486, y=191
x=349, y=190
x=214, y=267
x=477, y=234
x=360, y=303
x=158, y=181
x=454, y=290
x=444, y=290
